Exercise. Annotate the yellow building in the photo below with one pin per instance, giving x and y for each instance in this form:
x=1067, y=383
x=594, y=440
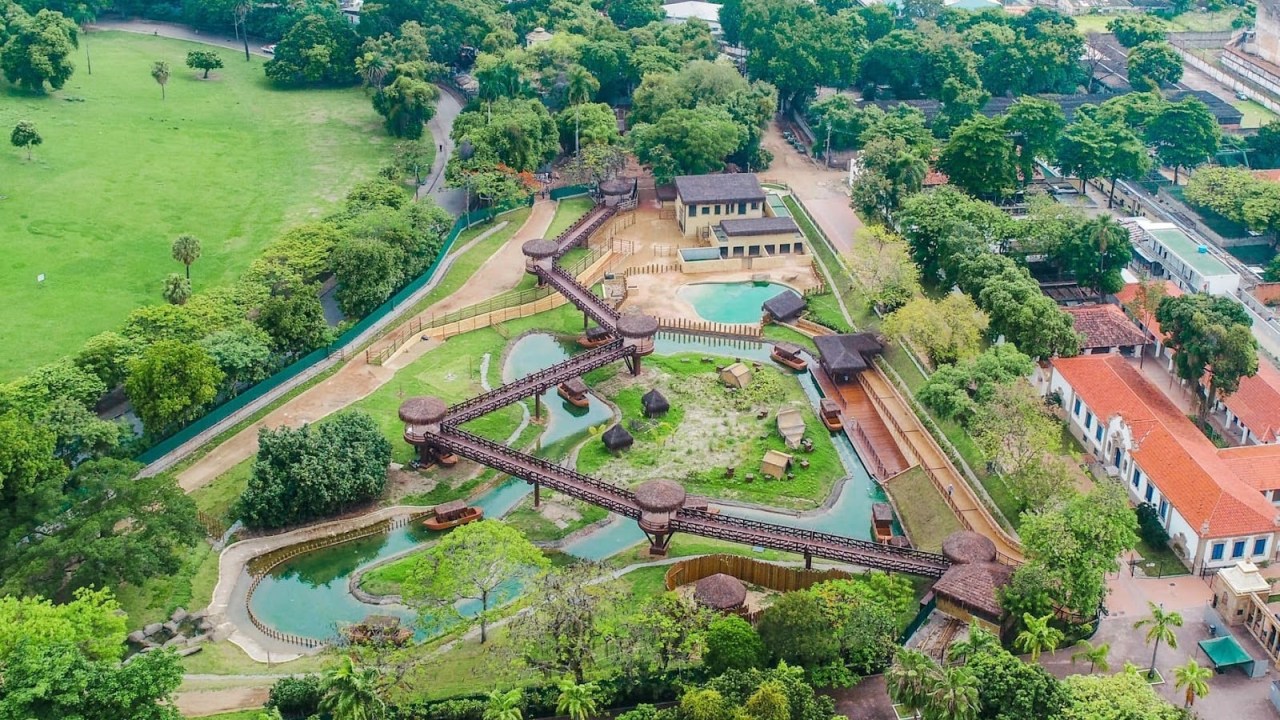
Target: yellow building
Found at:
x=706, y=200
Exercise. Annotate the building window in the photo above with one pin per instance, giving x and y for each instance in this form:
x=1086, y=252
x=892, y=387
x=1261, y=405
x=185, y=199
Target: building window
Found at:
x=1088, y=420
x=742, y=208
x=693, y=209
x=717, y=209
x=1237, y=549
x=1216, y=552
x=1097, y=435
x=706, y=210
x=755, y=205
x=1137, y=476
x=1076, y=411
x=1164, y=509
x=1260, y=546
x=1151, y=491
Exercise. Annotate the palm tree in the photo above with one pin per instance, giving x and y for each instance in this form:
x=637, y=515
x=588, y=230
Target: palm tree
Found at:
x=1159, y=628
x=979, y=642
x=1195, y=678
x=910, y=678
x=351, y=692
x=577, y=700
x=372, y=67
x=186, y=250
x=582, y=85
x=504, y=705
x=241, y=13
x=953, y=696
x=1096, y=655
x=1038, y=636
x=160, y=71
x=177, y=289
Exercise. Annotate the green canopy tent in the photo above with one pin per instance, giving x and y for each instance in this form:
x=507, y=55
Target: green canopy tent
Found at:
x=1224, y=652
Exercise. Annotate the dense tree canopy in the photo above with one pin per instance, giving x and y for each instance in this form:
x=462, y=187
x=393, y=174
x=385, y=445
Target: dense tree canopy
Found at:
x=318, y=49
x=171, y=382
x=35, y=50
x=1210, y=337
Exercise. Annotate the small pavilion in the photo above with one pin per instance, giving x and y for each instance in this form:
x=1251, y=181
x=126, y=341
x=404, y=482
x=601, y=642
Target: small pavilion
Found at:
x=654, y=404
x=783, y=307
x=844, y=356
x=421, y=415
x=659, y=501
x=720, y=592
x=617, y=438
x=737, y=375
x=969, y=590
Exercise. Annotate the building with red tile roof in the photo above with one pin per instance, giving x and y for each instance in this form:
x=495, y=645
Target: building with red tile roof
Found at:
x=1211, y=502
x=1106, y=329
x=1146, y=321
x=1254, y=409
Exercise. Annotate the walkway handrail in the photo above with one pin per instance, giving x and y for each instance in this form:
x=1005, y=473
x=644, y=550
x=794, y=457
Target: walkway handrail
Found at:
x=537, y=382
x=580, y=295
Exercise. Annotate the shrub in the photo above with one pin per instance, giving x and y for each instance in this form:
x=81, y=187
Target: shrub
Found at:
x=1150, y=529
x=296, y=697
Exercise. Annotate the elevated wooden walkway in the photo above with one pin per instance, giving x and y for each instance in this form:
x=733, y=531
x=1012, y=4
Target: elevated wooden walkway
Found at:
x=864, y=426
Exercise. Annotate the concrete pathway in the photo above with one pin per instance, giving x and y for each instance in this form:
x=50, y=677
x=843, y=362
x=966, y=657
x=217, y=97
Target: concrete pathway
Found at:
x=823, y=190
x=179, y=32
x=357, y=378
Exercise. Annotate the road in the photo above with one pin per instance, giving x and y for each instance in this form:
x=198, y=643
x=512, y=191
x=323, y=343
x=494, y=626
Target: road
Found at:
x=822, y=189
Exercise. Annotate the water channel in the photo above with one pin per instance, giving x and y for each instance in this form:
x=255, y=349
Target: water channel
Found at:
x=308, y=595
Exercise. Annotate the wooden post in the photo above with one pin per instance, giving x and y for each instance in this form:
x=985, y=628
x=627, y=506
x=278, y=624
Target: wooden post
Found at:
x=537, y=494
x=537, y=407
x=808, y=560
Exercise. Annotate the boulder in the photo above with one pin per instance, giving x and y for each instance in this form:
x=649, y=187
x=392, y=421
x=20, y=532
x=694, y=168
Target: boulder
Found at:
x=175, y=640
x=136, y=637
x=152, y=629
x=148, y=649
x=179, y=615
x=220, y=634
x=189, y=651
x=171, y=626
x=205, y=625
x=196, y=640
x=149, y=644
x=198, y=615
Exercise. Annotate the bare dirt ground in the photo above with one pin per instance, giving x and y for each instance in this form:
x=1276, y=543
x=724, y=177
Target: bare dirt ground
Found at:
x=357, y=378
x=200, y=703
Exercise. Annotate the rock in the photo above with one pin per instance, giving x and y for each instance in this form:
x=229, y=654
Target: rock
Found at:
x=148, y=649
x=152, y=629
x=219, y=634
x=175, y=641
x=197, y=639
x=179, y=615
x=136, y=637
x=204, y=625
x=172, y=627
x=189, y=651
x=198, y=615
x=149, y=645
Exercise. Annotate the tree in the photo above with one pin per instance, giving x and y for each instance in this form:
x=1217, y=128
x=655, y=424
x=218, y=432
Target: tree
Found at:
x=1159, y=629
x=891, y=171
x=1084, y=149
x=177, y=289
x=1018, y=434
x=1195, y=677
x=407, y=104
x=1095, y=654
x=1011, y=688
x=1209, y=334
x=1096, y=253
x=25, y=135
x=1133, y=29
x=368, y=272
x=295, y=320
x=795, y=631
x=953, y=695
x=38, y=50
x=880, y=263
x=1124, y=695
x=296, y=696
x=979, y=642
x=587, y=124
x=693, y=142
x=304, y=473
x=957, y=391
x=943, y=225
x=732, y=644
x=186, y=250
x=1264, y=147
x=106, y=355
x=518, y=133
x=352, y=692
x=160, y=73
x=471, y=563
x=81, y=435
x=665, y=629
x=1185, y=134
x=1038, y=636
x=1153, y=65
x=92, y=622
x=243, y=354
x=769, y=702
x=60, y=681
x=629, y=14
x=1077, y=544
x=504, y=705
x=1126, y=157
x=911, y=678
x=316, y=49
x=205, y=60
x=560, y=635
x=576, y=699
x=949, y=330
x=979, y=158
x=170, y=383
x=1036, y=127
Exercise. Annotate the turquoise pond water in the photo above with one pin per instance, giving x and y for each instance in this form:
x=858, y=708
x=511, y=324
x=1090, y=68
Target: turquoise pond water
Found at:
x=737, y=302
x=308, y=595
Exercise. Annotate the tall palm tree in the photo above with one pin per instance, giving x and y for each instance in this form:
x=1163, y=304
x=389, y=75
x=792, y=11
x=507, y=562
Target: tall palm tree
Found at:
x=953, y=696
x=186, y=250
x=241, y=13
x=1095, y=654
x=372, y=67
x=351, y=692
x=1160, y=629
x=1195, y=678
x=504, y=705
x=1039, y=636
x=980, y=641
x=577, y=700
x=582, y=85
x=910, y=678
x=160, y=72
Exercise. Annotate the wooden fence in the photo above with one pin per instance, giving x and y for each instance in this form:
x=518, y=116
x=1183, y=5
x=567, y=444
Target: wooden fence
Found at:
x=259, y=566
x=706, y=327
x=651, y=269
x=214, y=528
x=749, y=570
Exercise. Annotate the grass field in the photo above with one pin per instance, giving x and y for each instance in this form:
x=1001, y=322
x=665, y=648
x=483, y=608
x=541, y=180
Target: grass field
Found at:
x=924, y=512
x=122, y=172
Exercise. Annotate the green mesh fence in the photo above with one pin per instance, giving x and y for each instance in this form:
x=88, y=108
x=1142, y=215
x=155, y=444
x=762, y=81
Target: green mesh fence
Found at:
x=307, y=361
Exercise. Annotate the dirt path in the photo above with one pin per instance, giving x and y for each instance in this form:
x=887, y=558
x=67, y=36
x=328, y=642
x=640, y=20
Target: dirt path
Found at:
x=357, y=378
x=200, y=703
x=822, y=190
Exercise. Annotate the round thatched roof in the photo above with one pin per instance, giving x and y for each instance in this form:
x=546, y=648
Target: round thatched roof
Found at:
x=654, y=403
x=637, y=325
x=539, y=248
x=720, y=592
x=967, y=546
x=660, y=496
x=617, y=438
x=616, y=186
x=423, y=410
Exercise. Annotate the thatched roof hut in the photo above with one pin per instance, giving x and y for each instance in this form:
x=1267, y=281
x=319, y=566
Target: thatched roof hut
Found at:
x=720, y=592
x=784, y=307
x=970, y=589
x=737, y=375
x=654, y=403
x=637, y=325
x=423, y=410
x=844, y=356
x=660, y=496
x=969, y=547
x=617, y=438
x=539, y=248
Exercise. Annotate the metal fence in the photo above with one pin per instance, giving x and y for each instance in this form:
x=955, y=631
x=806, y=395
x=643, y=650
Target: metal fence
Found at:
x=338, y=347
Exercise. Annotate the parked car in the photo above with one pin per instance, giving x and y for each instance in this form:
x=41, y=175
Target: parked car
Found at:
x=269, y=49
x=1240, y=95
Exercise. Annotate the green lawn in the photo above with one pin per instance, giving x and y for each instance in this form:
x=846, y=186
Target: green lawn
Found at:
x=217, y=497
x=567, y=213
x=924, y=512
x=1254, y=114
x=387, y=579
x=191, y=588
x=122, y=172
x=1166, y=562
x=466, y=264
x=538, y=526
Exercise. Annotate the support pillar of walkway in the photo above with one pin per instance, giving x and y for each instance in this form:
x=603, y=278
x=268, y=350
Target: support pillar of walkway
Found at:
x=659, y=501
x=537, y=494
x=537, y=406
x=808, y=560
x=637, y=332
